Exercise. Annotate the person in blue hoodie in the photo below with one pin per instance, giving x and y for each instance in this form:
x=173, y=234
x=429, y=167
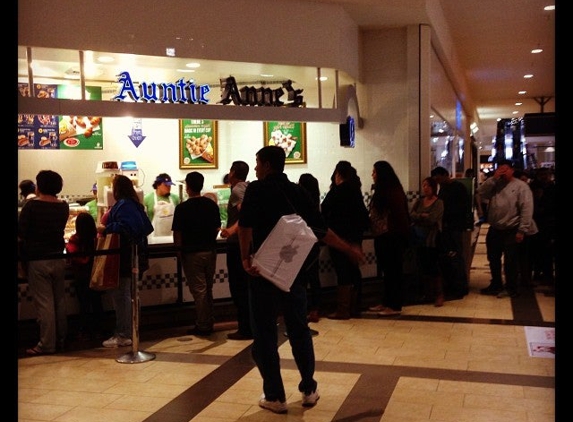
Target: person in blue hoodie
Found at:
x=126, y=217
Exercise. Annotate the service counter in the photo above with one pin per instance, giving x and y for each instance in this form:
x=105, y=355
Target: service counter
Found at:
x=164, y=282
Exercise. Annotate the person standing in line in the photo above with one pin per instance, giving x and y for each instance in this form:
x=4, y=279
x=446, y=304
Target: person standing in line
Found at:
x=127, y=218
x=544, y=214
x=457, y=208
x=238, y=278
x=426, y=216
x=266, y=199
x=83, y=241
x=196, y=224
x=27, y=191
x=510, y=218
x=41, y=228
x=160, y=206
x=310, y=184
x=345, y=213
x=389, y=202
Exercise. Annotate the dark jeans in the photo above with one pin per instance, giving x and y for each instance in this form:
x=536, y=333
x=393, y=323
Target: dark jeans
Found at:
x=452, y=263
x=313, y=276
x=239, y=288
x=389, y=249
x=267, y=301
x=502, y=243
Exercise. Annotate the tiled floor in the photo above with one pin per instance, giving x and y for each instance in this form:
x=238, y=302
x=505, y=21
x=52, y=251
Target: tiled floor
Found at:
x=467, y=361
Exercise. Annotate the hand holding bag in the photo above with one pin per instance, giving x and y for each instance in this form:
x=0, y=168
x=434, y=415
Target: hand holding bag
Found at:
x=105, y=271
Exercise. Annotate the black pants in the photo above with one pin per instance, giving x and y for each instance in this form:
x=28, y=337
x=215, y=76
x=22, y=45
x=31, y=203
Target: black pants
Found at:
x=239, y=288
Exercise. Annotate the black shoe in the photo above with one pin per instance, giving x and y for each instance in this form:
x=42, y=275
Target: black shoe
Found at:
x=238, y=336
x=491, y=290
x=201, y=333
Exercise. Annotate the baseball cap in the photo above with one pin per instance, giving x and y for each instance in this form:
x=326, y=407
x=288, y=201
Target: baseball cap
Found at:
x=163, y=178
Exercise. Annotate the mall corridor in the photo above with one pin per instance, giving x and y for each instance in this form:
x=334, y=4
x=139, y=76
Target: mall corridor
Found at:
x=478, y=359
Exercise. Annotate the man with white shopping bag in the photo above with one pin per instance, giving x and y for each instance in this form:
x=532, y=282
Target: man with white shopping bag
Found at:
x=266, y=201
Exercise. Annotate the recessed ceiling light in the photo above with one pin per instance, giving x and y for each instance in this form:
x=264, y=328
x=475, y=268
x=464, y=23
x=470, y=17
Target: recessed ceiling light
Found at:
x=537, y=50
x=322, y=78
x=518, y=104
x=522, y=92
x=186, y=70
x=528, y=76
x=193, y=65
x=266, y=75
x=550, y=7
x=515, y=112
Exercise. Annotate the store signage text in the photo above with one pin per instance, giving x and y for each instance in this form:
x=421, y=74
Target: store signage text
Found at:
x=178, y=92
x=249, y=95
x=188, y=92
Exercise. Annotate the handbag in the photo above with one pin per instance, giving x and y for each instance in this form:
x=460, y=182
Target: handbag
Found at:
x=378, y=222
x=105, y=271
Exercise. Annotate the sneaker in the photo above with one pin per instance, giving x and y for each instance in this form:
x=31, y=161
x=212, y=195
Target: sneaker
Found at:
x=309, y=400
x=389, y=312
x=276, y=406
x=377, y=308
x=504, y=293
x=117, y=341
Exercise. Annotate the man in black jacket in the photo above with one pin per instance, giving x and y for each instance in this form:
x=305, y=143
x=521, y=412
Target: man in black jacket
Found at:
x=266, y=200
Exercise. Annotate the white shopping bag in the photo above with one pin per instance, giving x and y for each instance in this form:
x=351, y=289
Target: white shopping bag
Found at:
x=285, y=249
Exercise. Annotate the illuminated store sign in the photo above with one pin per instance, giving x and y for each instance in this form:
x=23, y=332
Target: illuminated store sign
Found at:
x=188, y=92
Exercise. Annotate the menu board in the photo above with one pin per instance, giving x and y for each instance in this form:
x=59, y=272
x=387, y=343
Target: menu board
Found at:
x=59, y=132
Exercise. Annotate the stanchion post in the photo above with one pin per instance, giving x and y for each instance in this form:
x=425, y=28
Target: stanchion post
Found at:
x=135, y=356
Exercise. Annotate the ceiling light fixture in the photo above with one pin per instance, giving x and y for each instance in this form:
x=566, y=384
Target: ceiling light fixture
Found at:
x=549, y=149
x=537, y=50
x=518, y=104
x=515, y=112
x=193, y=65
x=550, y=7
x=528, y=76
x=522, y=92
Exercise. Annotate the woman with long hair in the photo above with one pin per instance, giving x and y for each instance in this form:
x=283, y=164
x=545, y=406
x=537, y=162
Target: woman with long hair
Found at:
x=346, y=214
x=128, y=218
x=389, y=200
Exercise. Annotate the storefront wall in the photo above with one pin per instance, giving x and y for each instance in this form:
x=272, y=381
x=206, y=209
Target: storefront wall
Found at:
x=388, y=91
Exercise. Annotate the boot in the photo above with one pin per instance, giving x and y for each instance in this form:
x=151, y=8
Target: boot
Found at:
x=438, y=291
x=343, y=299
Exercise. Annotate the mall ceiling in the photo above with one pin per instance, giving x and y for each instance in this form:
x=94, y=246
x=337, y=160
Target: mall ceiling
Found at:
x=492, y=40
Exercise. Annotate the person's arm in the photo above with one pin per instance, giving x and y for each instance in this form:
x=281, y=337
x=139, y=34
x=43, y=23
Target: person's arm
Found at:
x=354, y=252
x=245, y=241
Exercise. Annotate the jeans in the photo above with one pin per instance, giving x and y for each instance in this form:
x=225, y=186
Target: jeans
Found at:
x=121, y=298
x=267, y=301
x=502, y=243
x=389, y=249
x=47, y=287
x=199, y=269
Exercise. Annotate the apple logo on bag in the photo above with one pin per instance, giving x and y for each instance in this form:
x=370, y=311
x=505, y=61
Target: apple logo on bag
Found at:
x=288, y=252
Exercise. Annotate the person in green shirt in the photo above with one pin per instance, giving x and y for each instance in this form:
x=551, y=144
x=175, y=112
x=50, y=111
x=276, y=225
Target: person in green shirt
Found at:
x=160, y=205
x=92, y=205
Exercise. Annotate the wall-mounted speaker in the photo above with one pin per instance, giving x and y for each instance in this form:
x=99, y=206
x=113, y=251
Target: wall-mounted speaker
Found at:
x=347, y=133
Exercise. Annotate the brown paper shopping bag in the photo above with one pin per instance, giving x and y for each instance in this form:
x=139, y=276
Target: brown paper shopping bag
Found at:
x=105, y=271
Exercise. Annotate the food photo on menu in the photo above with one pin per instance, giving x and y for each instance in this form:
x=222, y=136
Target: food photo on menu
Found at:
x=80, y=132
